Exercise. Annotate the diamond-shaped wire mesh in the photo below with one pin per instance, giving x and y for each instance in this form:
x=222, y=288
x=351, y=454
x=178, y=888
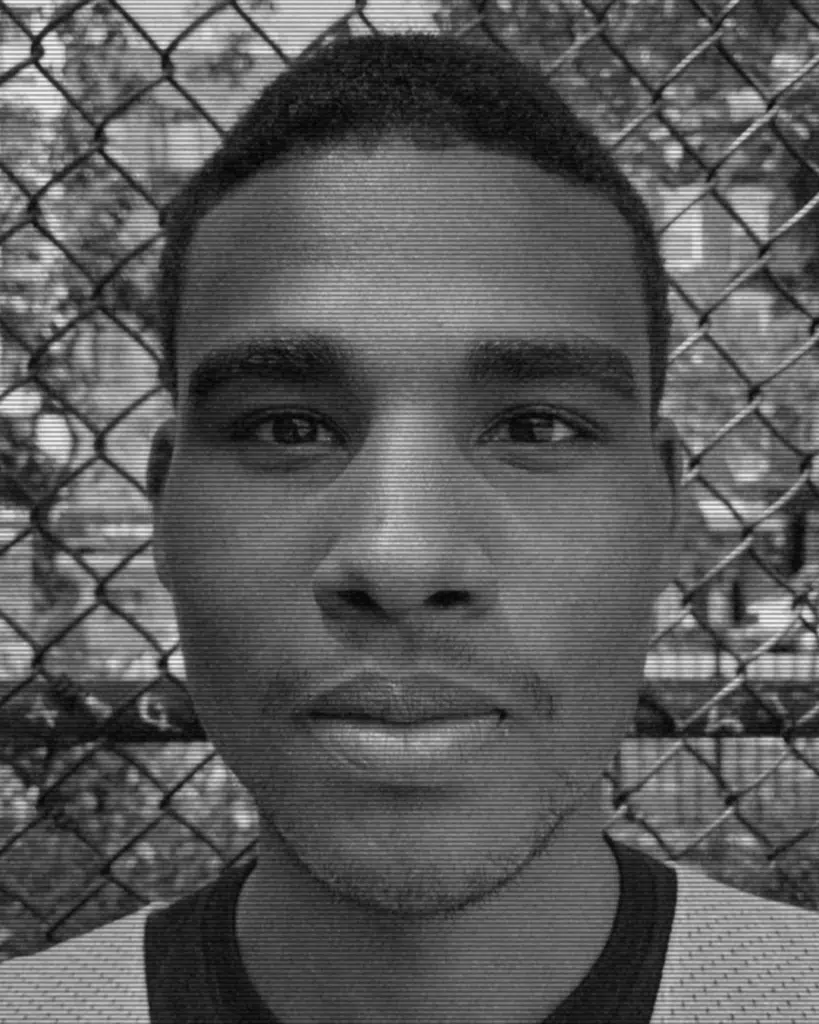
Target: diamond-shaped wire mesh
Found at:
x=110, y=794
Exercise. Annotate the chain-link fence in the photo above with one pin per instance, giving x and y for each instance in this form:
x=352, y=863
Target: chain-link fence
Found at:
x=109, y=793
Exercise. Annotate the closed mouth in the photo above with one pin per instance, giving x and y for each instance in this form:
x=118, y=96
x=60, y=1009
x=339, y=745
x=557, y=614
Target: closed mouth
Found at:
x=371, y=696
x=358, y=716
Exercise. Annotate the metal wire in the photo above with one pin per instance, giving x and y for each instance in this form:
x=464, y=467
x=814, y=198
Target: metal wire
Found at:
x=100, y=123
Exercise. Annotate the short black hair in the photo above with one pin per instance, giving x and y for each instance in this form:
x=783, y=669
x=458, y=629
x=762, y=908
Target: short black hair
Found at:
x=436, y=91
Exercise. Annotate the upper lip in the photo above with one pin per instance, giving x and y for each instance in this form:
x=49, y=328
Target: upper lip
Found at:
x=402, y=699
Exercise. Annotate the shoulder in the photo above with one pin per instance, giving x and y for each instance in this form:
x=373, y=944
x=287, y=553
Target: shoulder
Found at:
x=86, y=978
x=735, y=956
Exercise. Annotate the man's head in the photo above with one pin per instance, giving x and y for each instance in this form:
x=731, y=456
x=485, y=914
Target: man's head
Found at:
x=412, y=199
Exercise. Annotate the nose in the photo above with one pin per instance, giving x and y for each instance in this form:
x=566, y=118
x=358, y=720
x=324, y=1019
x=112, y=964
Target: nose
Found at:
x=402, y=574
x=412, y=551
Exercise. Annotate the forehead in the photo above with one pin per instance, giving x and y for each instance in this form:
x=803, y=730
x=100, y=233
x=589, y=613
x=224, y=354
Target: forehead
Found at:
x=401, y=242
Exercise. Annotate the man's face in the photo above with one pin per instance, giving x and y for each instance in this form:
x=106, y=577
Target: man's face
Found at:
x=416, y=520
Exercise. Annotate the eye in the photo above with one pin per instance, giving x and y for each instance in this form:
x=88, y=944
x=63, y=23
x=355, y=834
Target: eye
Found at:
x=541, y=426
x=290, y=428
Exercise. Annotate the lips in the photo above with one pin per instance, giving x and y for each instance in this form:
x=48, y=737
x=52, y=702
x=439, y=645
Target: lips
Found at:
x=403, y=700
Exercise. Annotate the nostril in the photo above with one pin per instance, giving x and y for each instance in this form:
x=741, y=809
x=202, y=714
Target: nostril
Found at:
x=449, y=597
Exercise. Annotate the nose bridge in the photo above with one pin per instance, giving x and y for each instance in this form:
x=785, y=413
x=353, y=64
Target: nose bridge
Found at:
x=408, y=534
x=414, y=479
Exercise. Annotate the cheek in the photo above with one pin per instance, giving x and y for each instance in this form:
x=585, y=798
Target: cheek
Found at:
x=240, y=576
x=224, y=538
x=583, y=595
x=216, y=560
x=603, y=549
x=580, y=607
x=232, y=589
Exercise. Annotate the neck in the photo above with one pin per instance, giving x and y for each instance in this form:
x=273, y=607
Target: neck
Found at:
x=513, y=956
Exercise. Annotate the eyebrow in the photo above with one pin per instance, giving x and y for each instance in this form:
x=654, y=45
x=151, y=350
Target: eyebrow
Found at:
x=319, y=359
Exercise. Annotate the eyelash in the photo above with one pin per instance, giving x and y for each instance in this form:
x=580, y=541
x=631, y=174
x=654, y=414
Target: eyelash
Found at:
x=244, y=429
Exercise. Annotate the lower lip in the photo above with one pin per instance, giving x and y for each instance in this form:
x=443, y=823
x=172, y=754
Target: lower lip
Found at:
x=389, y=748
